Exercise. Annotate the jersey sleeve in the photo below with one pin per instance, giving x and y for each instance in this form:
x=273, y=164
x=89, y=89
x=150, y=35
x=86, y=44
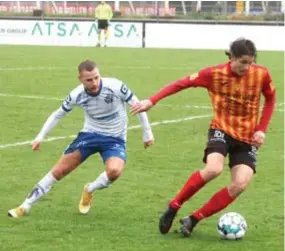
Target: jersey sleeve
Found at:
x=203, y=78
x=124, y=92
x=69, y=102
x=268, y=87
x=269, y=93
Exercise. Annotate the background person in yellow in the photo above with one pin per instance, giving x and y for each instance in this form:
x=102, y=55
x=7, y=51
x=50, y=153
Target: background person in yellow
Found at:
x=103, y=14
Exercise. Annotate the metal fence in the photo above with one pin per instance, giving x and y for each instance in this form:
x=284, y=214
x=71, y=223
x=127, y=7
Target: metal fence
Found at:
x=147, y=8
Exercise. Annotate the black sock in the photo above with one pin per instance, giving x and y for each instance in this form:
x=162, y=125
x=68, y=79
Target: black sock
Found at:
x=194, y=221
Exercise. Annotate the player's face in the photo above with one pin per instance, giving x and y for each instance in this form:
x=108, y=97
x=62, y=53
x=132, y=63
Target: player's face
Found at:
x=90, y=80
x=241, y=64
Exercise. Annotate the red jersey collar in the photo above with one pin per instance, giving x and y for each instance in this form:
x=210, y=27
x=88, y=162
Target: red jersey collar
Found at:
x=232, y=73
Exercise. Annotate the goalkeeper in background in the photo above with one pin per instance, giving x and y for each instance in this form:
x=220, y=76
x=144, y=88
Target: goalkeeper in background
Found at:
x=103, y=14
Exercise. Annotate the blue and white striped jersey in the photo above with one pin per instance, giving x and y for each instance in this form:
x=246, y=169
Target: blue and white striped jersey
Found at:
x=105, y=113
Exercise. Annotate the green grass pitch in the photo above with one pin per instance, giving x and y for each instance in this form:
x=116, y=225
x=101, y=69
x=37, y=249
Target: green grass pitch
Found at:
x=125, y=216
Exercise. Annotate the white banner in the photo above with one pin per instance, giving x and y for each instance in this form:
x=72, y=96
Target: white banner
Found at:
x=68, y=33
x=200, y=36
x=158, y=35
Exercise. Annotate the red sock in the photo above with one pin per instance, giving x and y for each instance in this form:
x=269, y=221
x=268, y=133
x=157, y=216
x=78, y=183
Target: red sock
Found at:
x=192, y=185
x=219, y=201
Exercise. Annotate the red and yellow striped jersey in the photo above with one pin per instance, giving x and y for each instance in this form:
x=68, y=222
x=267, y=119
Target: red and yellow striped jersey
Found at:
x=235, y=99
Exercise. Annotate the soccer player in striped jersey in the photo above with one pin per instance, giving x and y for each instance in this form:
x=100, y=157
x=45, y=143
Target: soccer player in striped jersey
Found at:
x=105, y=131
x=235, y=90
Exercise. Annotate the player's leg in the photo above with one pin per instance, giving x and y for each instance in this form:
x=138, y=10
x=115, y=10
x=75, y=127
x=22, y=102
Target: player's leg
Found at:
x=65, y=165
x=242, y=164
x=99, y=31
x=114, y=157
x=106, y=32
x=215, y=153
x=75, y=153
x=241, y=176
x=113, y=169
x=213, y=168
x=105, y=36
x=99, y=38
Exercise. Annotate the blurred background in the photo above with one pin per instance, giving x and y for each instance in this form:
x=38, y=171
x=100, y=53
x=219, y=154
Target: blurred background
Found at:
x=207, y=10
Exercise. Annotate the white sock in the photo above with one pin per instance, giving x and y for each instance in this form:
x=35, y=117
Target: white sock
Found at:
x=100, y=183
x=42, y=188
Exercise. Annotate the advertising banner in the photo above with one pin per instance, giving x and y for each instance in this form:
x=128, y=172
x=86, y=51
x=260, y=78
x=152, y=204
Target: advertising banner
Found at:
x=68, y=33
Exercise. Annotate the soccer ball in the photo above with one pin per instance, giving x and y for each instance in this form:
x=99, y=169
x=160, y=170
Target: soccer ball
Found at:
x=231, y=226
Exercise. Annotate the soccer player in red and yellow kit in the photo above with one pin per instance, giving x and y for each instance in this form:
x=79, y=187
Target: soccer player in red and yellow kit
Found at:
x=235, y=90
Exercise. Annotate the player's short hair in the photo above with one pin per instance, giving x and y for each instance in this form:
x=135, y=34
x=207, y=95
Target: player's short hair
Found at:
x=242, y=47
x=87, y=65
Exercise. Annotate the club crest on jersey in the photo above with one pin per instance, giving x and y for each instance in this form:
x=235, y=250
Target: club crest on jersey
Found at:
x=108, y=99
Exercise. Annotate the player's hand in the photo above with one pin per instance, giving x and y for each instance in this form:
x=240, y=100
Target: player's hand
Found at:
x=148, y=143
x=258, y=138
x=36, y=145
x=141, y=106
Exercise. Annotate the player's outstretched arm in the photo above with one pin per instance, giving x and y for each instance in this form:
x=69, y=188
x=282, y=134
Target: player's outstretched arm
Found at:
x=148, y=137
x=202, y=78
x=47, y=127
x=127, y=96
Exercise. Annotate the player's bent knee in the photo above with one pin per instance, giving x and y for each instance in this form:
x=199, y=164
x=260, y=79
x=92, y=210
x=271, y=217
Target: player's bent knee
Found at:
x=214, y=166
x=114, y=173
x=212, y=171
x=114, y=167
x=237, y=187
x=114, y=170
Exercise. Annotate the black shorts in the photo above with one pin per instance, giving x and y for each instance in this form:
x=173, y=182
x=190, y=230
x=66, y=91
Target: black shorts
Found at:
x=239, y=152
x=103, y=24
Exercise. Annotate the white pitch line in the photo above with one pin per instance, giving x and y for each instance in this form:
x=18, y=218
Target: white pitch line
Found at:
x=167, y=105
x=188, y=106
x=210, y=107
x=36, y=68
x=163, y=122
x=62, y=99
x=30, y=97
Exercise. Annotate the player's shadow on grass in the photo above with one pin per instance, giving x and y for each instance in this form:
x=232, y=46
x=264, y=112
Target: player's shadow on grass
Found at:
x=202, y=237
x=197, y=236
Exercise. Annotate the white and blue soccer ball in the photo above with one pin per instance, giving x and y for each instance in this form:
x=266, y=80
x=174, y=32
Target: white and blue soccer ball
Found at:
x=231, y=226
